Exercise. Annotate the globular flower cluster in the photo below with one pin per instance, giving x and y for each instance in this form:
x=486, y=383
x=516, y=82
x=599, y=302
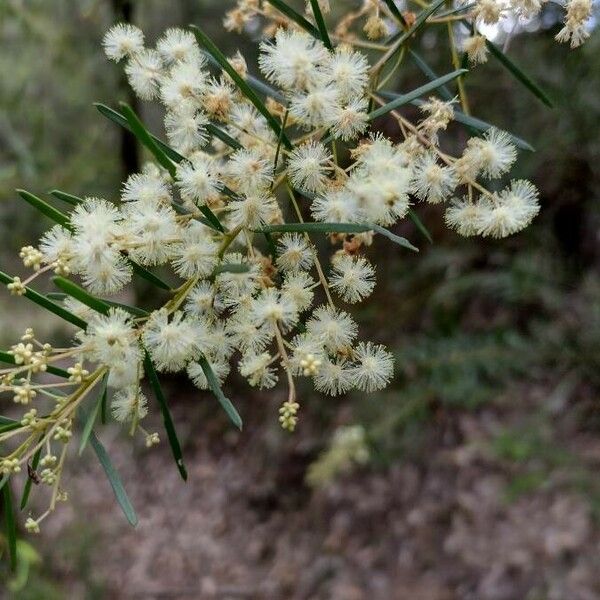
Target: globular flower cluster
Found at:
x=238, y=213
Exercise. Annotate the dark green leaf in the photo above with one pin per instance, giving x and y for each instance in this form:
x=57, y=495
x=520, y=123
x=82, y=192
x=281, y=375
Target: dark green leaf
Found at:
x=398, y=39
x=430, y=73
x=68, y=198
x=142, y=134
x=91, y=418
x=114, y=480
x=148, y=275
x=27, y=489
x=416, y=93
x=166, y=415
x=290, y=13
x=473, y=124
x=45, y=208
x=244, y=87
x=395, y=11
x=224, y=137
x=518, y=74
x=419, y=225
x=212, y=218
x=339, y=228
x=10, y=525
x=213, y=384
x=316, y=9
x=77, y=292
x=44, y=302
x=119, y=119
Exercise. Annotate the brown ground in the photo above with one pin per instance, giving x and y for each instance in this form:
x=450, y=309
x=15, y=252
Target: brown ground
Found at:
x=448, y=526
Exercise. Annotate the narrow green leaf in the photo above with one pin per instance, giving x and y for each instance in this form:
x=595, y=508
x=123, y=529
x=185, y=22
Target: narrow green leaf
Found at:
x=416, y=93
x=91, y=418
x=212, y=218
x=399, y=38
x=224, y=137
x=256, y=84
x=290, y=13
x=35, y=461
x=119, y=119
x=134, y=310
x=65, y=197
x=7, y=421
x=213, y=384
x=244, y=87
x=339, y=228
x=430, y=73
x=419, y=225
x=10, y=525
x=142, y=134
x=103, y=406
x=395, y=11
x=473, y=124
x=316, y=9
x=114, y=480
x=10, y=359
x=148, y=275
x=455, y=11
x=44, y=302
x=77, y=292
x=166, y=415
x=518, y=74
x=45, y=208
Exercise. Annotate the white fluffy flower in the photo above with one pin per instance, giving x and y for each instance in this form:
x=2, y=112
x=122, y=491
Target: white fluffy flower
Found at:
x=145, y=187
x=508, y=212
x=352, y=277
x=463, y=215
x=186, y=128
x=201, y=301
x=350, y=120
x=374, y=368
x=431, y=181
x=144, y=71
x=122, y=40
x=198, y=179
x=196, y=256
x=349, y=71
x=271, y=307
x=186, y=83
x=309, y=165
x=336, y=206
x=55, y=244
x=334, y=377
x=110, y=339
x=153, y=230
x=298, y=288
x=495, y=151
x=334, y=328
x=129, y=404
x=294, y=252
x=171, y=344
x=316, y=107
x=252, y=211
x=177, y=45
x=257, y=370
x=294, y=60
x=249, y=171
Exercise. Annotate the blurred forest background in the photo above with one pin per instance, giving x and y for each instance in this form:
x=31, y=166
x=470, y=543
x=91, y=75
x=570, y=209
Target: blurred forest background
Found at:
x=475, y=474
